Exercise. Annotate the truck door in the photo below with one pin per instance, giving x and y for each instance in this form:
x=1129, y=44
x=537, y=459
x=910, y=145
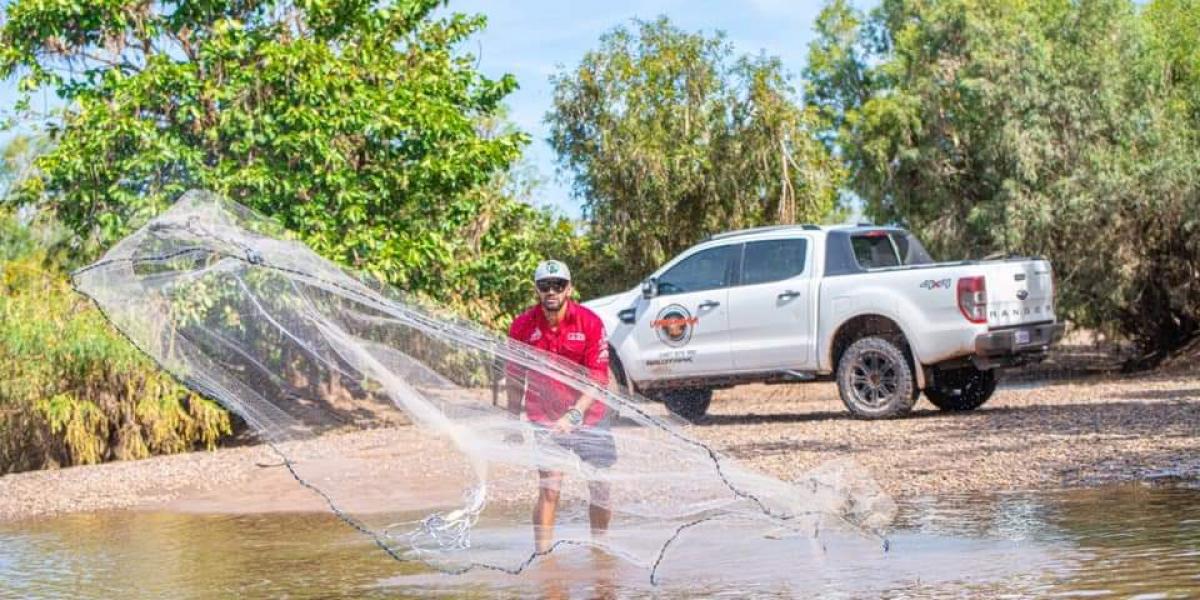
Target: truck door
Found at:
x=683, y=331
x=770, y=317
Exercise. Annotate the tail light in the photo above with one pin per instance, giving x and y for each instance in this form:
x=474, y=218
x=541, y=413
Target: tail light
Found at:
x=1052, y=299
x=972, y=299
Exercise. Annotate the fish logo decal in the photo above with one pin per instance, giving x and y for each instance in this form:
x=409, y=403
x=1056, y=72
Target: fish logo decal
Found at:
x=674, y=325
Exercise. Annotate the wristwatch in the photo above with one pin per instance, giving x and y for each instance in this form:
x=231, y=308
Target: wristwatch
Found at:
x=574, y=416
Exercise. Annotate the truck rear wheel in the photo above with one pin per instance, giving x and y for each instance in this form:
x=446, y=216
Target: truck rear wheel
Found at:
x=875, y=379
x=966, y=388
x=691, y=404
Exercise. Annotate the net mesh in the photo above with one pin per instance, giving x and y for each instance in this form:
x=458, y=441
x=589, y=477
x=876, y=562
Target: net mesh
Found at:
x=302, y=350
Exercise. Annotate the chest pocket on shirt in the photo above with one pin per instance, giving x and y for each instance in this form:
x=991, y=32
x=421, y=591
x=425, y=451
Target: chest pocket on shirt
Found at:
x=572, y=346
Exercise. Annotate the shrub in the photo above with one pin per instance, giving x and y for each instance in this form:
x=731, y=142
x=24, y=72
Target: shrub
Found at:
x=72, y=391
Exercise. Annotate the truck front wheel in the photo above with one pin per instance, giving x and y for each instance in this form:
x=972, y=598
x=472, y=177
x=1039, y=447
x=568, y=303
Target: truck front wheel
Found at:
x=691, y=404
x=616, y=374
x=875, y=379
x=966, y=388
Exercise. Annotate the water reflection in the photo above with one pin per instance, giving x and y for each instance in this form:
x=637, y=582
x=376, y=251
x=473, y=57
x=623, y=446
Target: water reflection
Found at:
x=1125, y=541
x=1117, y=541
x=161, y=555
x=1144, y=542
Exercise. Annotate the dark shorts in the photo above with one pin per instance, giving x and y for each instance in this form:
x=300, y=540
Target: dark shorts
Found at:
x=594, y=445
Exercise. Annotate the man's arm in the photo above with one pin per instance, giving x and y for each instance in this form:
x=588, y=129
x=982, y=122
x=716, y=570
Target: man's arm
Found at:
x=595, y=358
x=514, y=375
x=514, y=387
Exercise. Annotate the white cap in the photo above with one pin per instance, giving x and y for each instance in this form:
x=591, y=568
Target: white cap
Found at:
x=552, y=269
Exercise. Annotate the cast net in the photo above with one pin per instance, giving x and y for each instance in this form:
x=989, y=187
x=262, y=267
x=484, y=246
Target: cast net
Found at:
x=310, y=356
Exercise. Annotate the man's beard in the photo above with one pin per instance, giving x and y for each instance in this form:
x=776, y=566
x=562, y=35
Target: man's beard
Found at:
x=553, y=304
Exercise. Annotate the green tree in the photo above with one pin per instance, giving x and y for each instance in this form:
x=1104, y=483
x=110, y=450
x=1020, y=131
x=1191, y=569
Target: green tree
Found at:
x=356, y=124
x=360, y=126
x=670, y=137
x=1056, y=128
x=16, y=160
x=507, y=238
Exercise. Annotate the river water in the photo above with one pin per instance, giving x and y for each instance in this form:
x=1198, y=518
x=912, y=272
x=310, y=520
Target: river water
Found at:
x=1122, y=541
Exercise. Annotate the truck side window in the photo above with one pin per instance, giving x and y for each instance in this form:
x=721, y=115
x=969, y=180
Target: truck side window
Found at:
x=874, y=250
x=773, y=260
x=704, y=270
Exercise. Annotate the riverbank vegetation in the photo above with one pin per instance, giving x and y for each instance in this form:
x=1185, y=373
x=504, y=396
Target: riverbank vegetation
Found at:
x=74, y=391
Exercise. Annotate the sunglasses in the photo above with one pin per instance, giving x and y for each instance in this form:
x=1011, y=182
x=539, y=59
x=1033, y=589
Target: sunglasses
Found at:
x=552, y=285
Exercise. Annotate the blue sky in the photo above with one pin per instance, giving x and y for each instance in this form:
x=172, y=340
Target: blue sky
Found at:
x=532, y=39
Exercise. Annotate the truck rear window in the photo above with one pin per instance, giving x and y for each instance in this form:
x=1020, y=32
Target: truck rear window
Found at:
x=881, y=249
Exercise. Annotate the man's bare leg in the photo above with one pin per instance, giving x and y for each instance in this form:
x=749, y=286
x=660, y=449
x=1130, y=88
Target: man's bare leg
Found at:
x=545, y=509
x=600, y=508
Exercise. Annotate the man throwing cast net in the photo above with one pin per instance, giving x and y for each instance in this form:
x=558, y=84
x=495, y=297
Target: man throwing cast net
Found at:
x=560, y=414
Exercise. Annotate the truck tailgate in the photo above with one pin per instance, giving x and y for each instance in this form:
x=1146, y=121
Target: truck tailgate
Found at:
x=1019, y=292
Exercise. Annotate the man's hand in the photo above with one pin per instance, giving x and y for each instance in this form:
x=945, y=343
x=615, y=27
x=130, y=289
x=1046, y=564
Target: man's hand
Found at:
x=562, y=426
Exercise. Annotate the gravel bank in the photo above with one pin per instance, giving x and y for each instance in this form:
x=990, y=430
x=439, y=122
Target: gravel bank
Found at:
x=1029, y=436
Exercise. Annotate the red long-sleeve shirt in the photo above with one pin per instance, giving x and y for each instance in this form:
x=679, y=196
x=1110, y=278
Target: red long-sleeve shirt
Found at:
x=580, y=338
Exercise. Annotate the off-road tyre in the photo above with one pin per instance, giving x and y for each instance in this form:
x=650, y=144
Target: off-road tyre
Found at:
x=875, y=379
x=961, y=389
x=690, y=404
x=617, y=380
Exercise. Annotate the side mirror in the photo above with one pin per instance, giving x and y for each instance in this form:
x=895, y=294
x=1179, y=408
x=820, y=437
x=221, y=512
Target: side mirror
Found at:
x=650, y=288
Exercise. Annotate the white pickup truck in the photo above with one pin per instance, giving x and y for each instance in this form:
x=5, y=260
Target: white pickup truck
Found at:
x=863, y=305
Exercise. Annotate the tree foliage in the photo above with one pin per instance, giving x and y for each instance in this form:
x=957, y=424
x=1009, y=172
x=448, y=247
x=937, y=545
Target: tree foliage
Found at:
x=669, y=136
x=362, y=126
x=1059, y=128
x=16, y=159
x=71, y=390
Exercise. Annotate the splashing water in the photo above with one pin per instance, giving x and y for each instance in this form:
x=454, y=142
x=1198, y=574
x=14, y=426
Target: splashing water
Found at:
x=222, y=298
